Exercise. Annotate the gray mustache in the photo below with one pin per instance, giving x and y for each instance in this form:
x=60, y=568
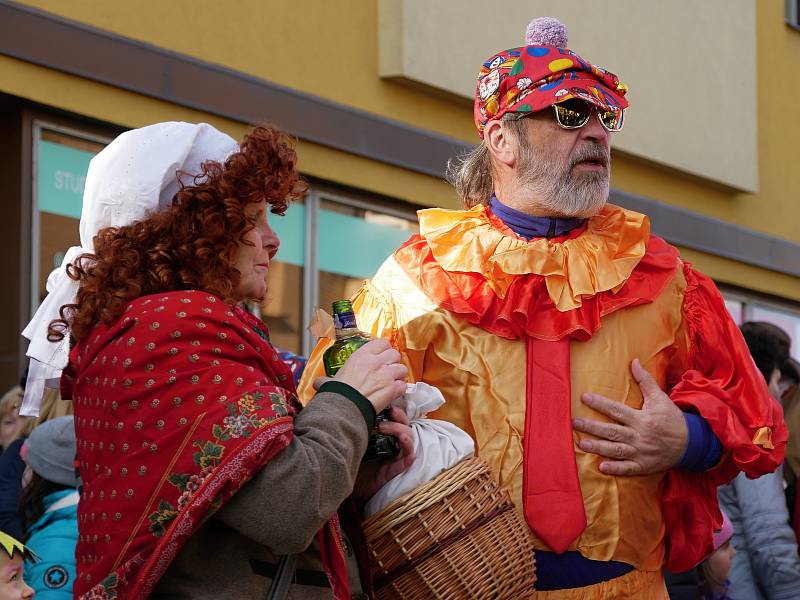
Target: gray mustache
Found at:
x=591, y=151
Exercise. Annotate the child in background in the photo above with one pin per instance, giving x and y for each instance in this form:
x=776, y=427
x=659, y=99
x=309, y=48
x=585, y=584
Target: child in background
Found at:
x=715, y=570
x=12, y=465
x=9, y=417
x=13, y=554
x=49, y=507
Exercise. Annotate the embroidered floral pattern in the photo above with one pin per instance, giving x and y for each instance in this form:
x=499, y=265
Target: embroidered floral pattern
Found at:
x=161, y=518
x=192, y=436
x=106, y=590
x=242, y=421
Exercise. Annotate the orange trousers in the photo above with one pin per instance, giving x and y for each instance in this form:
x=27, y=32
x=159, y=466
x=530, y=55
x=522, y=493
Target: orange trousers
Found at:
x=636, y=585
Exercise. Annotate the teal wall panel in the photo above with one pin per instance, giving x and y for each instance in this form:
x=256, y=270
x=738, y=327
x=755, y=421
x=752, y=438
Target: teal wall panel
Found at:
x=354, y=247
x=62, y=175
x=290, y=228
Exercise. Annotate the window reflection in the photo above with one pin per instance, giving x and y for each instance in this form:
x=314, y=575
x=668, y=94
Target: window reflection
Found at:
x=353, y=243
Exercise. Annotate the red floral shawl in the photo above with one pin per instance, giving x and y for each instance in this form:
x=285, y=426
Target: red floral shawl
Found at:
x=178, y=403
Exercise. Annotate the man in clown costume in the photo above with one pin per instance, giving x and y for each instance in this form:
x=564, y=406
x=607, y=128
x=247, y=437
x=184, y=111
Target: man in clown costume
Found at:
x=598, y=373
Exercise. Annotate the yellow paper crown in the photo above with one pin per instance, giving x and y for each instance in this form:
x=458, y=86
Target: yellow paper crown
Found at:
x=11, y=545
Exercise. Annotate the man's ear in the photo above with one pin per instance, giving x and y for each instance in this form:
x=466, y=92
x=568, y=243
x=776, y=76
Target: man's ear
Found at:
x=502, y=145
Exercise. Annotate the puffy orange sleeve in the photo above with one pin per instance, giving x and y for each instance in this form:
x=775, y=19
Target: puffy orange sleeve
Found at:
x=313, y=369
x=723, y=385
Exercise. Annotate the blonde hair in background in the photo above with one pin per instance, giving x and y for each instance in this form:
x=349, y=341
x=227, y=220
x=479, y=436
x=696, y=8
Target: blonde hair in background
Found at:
x=52, y=407
x=10, y=401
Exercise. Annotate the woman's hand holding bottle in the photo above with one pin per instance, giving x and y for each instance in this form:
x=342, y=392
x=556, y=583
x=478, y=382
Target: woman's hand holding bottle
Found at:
x=375, y=371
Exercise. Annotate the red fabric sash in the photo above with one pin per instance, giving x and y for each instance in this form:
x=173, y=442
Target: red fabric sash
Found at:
x=551, y=492
x=178, y=403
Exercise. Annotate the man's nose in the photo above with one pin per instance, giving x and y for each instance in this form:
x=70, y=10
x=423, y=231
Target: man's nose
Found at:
x=594, y=130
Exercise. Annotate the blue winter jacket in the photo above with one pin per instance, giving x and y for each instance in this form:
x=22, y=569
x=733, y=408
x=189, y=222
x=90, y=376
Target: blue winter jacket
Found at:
x=54, y=537
x=11, y=468
x=766, y=565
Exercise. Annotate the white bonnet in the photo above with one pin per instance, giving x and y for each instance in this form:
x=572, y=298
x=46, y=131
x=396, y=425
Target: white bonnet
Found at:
x=134, y=176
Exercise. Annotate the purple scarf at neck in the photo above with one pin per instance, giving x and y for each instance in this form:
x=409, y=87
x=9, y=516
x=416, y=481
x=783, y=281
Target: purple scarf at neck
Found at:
x=531, y=227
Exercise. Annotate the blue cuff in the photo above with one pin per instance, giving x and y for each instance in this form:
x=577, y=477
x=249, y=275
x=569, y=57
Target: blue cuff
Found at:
x=703, y=448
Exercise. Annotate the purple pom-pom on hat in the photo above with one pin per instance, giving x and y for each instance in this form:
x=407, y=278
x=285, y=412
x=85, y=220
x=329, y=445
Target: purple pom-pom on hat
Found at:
x=546, y=31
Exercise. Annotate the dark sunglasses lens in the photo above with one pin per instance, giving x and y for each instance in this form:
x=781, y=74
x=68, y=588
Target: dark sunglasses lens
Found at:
x=612, y=119
x=572, y=113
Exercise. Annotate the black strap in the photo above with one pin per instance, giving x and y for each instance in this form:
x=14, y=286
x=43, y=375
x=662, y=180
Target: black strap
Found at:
x=301, y=576
x=279, y=590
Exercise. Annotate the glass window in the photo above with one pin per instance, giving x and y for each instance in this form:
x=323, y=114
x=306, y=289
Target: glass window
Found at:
x=736, y=308
x=282, y=309
x=353, y=242
x=62, y=160
x=786, y=320
x=793, y=13
x=744, y=307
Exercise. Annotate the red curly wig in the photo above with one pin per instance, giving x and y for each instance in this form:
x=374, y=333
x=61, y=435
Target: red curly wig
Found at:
x=191, y=245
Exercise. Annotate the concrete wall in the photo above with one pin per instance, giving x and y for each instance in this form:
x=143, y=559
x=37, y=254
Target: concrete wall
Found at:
x=690, y=67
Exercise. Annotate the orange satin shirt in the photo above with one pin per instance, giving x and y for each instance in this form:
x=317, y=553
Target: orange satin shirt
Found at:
x=483, y=376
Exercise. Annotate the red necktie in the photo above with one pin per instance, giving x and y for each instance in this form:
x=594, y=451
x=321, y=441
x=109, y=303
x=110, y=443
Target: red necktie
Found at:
x=551, y=492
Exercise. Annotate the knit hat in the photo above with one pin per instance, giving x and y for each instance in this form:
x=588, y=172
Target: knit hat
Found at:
x=724, y=534
x=541, y=73
x=51, y=451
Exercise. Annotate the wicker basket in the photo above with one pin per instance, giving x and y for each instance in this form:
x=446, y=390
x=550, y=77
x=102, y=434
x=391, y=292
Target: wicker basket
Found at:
x=457, y=536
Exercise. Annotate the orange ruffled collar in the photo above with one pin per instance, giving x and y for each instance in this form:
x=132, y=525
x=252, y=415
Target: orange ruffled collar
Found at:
x=600, y=259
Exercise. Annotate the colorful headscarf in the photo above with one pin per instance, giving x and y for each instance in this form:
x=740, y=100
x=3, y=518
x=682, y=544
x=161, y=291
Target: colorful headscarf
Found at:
x=532, y=77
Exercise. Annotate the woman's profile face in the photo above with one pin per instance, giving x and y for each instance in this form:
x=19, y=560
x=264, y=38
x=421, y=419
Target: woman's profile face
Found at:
x=252, y=262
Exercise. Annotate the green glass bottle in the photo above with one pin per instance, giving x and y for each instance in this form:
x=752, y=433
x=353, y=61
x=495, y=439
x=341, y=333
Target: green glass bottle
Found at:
x=349, y=339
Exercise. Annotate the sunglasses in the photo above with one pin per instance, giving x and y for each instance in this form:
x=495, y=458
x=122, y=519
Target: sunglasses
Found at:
x=575, y=113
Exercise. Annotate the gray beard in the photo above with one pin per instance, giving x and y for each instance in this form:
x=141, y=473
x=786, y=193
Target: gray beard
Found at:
x=563, y=193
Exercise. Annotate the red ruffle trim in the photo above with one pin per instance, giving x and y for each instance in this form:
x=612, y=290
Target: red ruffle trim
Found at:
x=527, y=309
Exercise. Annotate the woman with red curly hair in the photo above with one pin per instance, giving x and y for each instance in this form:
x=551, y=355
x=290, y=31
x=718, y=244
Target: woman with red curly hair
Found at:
x=200, y=472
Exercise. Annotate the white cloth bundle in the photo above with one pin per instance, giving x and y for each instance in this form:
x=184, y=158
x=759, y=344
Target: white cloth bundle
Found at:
x=438, y=445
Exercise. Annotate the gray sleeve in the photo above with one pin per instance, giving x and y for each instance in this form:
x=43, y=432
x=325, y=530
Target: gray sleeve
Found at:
x=741, y=575
x=770, y=541
x=293, y=496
